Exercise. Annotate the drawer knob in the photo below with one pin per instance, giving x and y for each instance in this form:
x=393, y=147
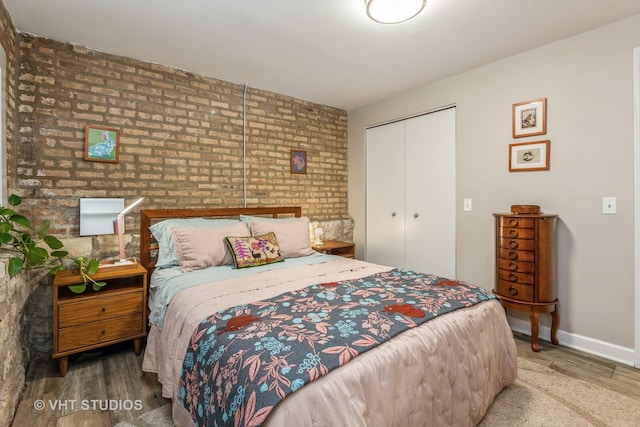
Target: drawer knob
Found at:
x=513, y=266
x=513, y=244
x=513, y=222
x=104, y=309
x=513, y=255
x=513, y=291
x=102, y=332
x=513, y=277
x=513, y=233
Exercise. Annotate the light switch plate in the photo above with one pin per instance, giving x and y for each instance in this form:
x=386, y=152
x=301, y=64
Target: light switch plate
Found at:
x=467, y=204
x=609, y=205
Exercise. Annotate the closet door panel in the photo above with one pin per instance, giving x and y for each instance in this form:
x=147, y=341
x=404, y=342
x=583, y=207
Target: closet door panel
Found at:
x=430, y=214
x=385, y=195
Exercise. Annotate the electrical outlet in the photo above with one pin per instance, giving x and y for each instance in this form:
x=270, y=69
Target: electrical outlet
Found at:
x=467, y=205
x=609, y=205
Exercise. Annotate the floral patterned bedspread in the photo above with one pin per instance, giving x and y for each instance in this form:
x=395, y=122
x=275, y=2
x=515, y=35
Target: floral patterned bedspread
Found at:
x=242, y=361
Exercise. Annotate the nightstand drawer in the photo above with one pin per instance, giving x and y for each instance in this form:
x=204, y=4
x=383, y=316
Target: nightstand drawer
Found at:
x=100, y=332
x=101, y=308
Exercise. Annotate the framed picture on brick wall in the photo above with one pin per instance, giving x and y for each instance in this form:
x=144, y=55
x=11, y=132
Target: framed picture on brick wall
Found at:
x=102, y=144
x=298, y=161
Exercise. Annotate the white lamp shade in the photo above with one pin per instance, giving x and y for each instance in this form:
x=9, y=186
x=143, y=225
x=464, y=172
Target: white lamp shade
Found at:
x=393, y=11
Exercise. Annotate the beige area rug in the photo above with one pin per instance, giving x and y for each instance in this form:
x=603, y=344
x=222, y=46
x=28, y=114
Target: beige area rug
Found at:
x=543, y=397
x=540, y=397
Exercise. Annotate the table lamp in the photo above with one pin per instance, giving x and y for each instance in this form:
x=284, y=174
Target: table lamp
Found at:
x=318, y=240
x=118, y=228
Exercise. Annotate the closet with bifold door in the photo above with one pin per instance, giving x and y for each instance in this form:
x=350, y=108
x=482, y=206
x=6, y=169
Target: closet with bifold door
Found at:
x=410, y=193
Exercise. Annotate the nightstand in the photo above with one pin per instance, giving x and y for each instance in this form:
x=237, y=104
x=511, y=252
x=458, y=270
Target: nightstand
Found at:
x=96, y=319
x=336, y=247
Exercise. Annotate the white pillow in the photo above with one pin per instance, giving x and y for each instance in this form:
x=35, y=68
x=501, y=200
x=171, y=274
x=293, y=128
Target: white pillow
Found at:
x=198, y=248
x=292, y=234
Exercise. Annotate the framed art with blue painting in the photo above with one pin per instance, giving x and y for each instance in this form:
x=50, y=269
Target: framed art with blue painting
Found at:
x=102, y=144
x=298, y=161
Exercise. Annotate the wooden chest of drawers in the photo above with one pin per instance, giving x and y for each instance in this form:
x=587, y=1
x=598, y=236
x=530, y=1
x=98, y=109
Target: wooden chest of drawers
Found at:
x=526, y=267
x=93, y=319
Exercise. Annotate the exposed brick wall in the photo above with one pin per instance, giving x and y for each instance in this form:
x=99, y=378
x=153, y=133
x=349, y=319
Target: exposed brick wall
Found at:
x=14, y=294
x=181, y=138
x=181, y=145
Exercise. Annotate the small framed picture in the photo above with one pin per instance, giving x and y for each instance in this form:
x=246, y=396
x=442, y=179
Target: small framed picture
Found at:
x=529, y=156
x=298, y=161
x=529, y=118
x=102, y=144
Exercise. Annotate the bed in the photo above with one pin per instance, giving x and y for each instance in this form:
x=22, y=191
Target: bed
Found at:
x=250, y=326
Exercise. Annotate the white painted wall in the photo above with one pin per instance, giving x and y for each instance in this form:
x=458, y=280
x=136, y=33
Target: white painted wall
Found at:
x=588, y=83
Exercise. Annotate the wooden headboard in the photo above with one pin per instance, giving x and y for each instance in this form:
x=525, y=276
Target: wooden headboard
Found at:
x=148, y=217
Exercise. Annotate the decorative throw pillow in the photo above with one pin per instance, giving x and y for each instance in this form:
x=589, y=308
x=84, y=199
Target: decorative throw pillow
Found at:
x=293, y=234
x=198, y=248
x=255, y=250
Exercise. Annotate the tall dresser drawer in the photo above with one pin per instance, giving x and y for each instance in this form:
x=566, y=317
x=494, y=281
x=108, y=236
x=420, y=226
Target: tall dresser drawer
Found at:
x=521, y=244
x=512, y=254
x=77, y=313
x=516, y=277
x=518, y=233
x=518, y=291
x=519, y=266
x=509, y=221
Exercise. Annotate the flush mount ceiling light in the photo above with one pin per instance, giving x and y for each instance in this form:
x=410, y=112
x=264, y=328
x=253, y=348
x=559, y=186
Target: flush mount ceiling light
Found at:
x=393, y=11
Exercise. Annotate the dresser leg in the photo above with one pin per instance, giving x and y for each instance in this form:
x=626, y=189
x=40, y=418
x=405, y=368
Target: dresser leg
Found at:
x=63, y=365
x=534, y=331
x=137, y=346
x=554, y=325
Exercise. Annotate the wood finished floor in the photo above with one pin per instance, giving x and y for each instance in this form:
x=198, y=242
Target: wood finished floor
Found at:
x=116, y=374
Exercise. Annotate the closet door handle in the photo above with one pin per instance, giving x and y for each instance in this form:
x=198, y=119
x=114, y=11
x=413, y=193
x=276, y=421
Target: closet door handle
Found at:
x=416, y=215
x=393, y=214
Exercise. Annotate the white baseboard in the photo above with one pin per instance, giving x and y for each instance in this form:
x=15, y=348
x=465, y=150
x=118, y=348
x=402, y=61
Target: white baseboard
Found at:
x=604, y=349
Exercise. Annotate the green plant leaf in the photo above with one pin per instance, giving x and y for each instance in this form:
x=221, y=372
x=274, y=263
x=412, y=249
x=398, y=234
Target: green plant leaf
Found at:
x=98, y=285
x=20, y=220
x=92, y=267
x=15, y=266
x=43, y=229
x=14, y=200
x=5, y=238
x=78, y=289
x=56, y=268
x=27, y=240
x=36, y=256
x=59, y=254
x=6, y=211
x=52, y=242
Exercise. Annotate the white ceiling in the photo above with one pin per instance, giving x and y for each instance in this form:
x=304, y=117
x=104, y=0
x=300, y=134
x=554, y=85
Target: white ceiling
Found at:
x=324, y=51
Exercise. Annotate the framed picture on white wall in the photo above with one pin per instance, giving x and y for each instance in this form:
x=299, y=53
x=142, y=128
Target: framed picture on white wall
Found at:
x=529, y=156
x=529, y=118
